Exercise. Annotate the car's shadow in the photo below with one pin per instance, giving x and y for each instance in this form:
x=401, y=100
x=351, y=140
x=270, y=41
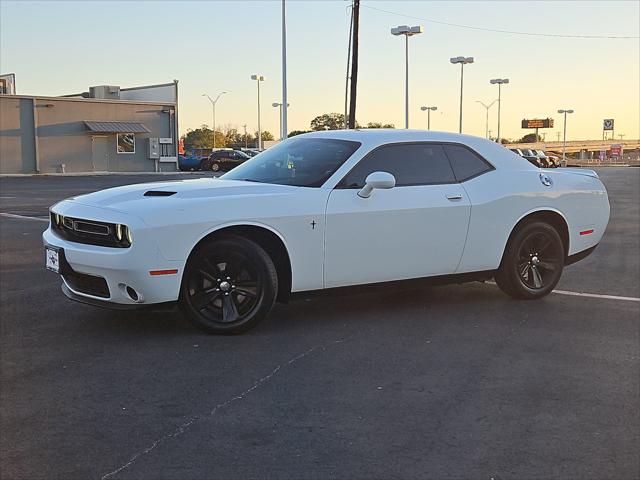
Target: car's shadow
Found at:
x=400, y=307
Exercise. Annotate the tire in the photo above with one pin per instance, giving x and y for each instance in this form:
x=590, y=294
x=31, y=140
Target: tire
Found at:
x=205, y=165
x=215, y=167
x=532, y=262
x=229, y=285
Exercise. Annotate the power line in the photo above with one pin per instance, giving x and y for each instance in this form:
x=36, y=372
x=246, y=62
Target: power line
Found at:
x=511, y=32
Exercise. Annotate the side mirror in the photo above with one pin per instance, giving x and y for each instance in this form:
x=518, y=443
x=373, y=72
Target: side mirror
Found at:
x=377, y=180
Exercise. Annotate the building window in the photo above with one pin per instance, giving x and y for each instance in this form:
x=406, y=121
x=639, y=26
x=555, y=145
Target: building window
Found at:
x=126, y=143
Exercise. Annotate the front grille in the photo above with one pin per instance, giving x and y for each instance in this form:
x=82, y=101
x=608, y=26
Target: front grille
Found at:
x=90, y=232
x=87, y=284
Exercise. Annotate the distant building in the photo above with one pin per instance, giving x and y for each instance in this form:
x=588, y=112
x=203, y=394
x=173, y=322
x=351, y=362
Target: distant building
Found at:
x=107, y=129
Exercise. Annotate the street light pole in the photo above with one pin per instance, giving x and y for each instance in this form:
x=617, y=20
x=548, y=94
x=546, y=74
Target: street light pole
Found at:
x=282, y=131
x=486, y=120
x=462, y=61
x=283, y=115
x=258, y=79
x=407, y=32
x=499, y=82
x=429, y=110
x=246, y=145
x=564, y=141
x=213, y=105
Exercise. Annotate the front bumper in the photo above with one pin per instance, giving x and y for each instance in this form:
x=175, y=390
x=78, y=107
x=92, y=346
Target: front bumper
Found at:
x=120, y=268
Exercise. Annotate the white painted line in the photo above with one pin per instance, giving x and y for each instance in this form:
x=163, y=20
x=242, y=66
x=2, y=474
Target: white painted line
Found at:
x=597, y=295
x=24, y=217
x=589, y=295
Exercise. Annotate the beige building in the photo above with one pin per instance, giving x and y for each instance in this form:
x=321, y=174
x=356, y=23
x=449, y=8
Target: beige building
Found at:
x=107, y=129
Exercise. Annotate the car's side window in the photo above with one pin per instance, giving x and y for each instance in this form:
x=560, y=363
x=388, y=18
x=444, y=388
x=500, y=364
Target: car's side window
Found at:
x=410, y=163
x=466, y=164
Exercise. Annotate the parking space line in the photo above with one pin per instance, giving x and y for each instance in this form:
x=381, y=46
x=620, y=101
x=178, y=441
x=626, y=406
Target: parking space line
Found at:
x=23, y=217
x=597, y=295
x=589, y=295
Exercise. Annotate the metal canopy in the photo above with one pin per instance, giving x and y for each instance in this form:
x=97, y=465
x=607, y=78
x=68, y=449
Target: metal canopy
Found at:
x=116, y=127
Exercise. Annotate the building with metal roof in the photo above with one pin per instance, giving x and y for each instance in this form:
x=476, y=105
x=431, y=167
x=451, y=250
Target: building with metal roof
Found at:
x=107, y=129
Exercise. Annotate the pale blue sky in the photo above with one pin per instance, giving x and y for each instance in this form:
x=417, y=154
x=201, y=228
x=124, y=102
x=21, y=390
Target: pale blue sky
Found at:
x=64, y=47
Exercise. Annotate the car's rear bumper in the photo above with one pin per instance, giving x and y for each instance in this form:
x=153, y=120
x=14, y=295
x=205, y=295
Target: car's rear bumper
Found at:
x=576, y=257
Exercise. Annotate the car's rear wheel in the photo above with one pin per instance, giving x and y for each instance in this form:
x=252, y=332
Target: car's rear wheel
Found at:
x=215, y=167
x=532, y=263
x=229, y=285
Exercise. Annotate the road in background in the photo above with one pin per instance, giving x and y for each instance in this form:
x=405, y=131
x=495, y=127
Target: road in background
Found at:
x=455, y=381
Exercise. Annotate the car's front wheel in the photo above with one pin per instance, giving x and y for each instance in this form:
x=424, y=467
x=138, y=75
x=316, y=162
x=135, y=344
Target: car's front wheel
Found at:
x=229, y=285
x=532, y=263
x=215, y=167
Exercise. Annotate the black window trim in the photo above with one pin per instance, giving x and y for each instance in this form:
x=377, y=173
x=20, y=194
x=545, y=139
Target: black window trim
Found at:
x=340, y=186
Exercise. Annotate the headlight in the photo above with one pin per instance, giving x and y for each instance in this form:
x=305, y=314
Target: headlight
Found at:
x=123, y=234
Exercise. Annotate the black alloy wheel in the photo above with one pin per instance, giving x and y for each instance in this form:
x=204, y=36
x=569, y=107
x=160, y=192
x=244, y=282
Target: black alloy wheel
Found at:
x=532, y=263
x=229, y=285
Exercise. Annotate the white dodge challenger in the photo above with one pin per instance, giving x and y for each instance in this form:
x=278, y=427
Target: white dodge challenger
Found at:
x=325, y=210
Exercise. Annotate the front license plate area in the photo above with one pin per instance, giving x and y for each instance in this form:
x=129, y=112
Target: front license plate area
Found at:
x=52, y=258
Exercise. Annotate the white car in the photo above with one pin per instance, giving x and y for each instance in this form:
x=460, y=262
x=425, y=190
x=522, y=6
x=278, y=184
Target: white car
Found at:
x=324, y=210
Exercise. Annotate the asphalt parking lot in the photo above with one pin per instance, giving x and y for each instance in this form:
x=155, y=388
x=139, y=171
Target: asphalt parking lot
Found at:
x=446, y=382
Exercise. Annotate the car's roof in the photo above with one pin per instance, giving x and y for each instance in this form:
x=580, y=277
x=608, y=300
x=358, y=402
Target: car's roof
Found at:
x=499, y=155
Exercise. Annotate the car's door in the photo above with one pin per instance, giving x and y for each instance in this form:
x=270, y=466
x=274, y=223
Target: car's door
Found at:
x=416, y=229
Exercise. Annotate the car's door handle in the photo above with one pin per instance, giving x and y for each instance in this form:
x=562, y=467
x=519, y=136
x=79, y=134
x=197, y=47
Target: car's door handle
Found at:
x=454, y=196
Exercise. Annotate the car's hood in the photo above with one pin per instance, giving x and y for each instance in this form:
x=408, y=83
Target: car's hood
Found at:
x=144, y=195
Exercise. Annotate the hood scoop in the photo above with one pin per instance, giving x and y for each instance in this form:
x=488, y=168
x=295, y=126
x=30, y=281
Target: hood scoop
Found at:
x=158, y=193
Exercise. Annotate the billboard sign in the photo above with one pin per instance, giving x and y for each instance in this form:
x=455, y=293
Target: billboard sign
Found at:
x=616, y=150
x=537, y=123
x=607, y=124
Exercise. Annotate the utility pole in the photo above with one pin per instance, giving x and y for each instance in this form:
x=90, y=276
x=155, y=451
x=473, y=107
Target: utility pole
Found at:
x=354, y=64
x=246, y=145
x=346, y=82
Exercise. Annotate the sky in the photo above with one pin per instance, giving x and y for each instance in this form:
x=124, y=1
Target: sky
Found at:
x=57, y=47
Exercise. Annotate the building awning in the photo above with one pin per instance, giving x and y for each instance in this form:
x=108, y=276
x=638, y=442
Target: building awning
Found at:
x=116, y=127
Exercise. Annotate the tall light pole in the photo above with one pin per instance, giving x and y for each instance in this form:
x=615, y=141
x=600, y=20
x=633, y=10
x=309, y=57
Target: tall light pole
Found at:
x=462, y=61
x=564, y=141
x=499, y=82
x=429, y=110
x=282, y=130
x=283, y=114
x=407, y=32
x=213, y=104
x=258, y=79
x=486, y=120
x=246, y=145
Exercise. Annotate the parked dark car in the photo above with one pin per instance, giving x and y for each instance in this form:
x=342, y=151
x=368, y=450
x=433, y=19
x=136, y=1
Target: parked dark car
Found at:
x=224, y=160
x=250, y=151
x=190, y=162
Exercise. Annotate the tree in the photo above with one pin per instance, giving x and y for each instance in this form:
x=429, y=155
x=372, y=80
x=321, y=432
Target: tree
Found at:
x=203, y=138
x=297, y=132
x=329, y=121
x=380, y=125
x=266, y=136
x=530, y=138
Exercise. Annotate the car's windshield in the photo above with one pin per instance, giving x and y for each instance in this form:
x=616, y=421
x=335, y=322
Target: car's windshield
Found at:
x=302, y=162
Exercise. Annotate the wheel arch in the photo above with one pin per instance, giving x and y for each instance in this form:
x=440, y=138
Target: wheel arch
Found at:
x=270, y=240
x=548, y=215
